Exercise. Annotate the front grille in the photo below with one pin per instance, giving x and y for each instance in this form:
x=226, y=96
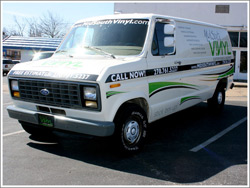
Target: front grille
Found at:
x=63, y=94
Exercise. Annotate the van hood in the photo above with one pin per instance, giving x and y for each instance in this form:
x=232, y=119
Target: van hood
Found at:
x=65, y=68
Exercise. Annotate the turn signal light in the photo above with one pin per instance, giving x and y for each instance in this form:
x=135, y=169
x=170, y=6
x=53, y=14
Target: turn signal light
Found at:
x=16, y=94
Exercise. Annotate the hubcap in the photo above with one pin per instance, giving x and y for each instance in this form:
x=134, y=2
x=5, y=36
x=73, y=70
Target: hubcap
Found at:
x=220, y=98
x=131, y=131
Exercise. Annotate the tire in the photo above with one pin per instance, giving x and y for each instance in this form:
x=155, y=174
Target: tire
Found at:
x=131, y=128
x=216, y=103
x=35, y=130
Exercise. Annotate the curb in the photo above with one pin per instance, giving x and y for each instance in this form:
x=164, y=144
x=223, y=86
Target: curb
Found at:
x=240, y=84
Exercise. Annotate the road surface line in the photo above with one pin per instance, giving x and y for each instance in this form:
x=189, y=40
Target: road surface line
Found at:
x=8, y=103
x=18, y=132
x=217, y=136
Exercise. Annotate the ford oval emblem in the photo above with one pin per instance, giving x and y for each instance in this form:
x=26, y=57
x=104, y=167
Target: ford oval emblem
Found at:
x=44, y=92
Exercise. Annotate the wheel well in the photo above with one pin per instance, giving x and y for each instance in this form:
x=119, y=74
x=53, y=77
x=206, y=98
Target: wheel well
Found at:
x=222, y=83
x=141, y=102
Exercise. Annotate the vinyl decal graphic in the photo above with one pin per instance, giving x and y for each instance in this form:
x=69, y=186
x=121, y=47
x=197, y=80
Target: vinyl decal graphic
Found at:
x=112, y=93
x=52, y=75
x=156, y=87
x=123, y=76
x=218, y=76
x=185, y=99
x=228, y=73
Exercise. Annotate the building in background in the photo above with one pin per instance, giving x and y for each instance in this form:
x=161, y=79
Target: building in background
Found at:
x=23, y=48
x=233, y=16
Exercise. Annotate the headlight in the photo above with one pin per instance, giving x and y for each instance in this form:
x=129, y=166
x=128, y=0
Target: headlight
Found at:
x=14, y=88
x=14, y=85
x=89, y=93
x=91, y=97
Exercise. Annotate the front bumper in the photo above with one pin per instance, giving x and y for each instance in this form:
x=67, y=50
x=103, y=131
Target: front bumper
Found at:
x=95, y=128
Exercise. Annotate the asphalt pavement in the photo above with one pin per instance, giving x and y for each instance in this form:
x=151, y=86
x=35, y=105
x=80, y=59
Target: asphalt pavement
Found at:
x=167, y=159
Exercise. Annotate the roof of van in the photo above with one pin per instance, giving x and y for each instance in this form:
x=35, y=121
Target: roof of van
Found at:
x=146, y=16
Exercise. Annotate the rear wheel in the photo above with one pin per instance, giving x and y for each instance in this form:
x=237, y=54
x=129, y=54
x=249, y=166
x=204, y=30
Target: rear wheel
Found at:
x=216, y=103
x=131, y=128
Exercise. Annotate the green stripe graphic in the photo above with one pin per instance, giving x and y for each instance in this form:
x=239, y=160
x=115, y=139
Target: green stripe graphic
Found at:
x=227, y=73
x=157, y=85
x=111, y=93
x=184, y=99
x=230, y=71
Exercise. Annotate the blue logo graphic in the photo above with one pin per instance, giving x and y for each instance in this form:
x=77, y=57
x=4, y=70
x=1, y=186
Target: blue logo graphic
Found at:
x=44, y=92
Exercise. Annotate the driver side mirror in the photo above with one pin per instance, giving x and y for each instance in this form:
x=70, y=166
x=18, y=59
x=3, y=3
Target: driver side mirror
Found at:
x=169, y=41
x=169, y=29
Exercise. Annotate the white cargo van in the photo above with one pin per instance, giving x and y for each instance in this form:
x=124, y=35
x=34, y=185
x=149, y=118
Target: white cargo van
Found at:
x=113, y=75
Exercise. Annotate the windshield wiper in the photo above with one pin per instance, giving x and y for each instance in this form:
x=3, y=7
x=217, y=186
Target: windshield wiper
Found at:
x=61, y=51
x=100, y=50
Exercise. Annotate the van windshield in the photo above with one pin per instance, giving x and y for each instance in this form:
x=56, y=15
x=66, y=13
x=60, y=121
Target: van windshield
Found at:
x=106, y=37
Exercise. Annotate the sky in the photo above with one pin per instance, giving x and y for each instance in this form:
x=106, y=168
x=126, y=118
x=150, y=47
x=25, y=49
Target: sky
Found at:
x=69, y=11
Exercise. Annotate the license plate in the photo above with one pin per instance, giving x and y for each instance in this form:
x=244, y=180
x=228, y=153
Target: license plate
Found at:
x=47, y=121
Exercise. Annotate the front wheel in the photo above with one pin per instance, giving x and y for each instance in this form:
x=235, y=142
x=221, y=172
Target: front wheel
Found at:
x=216, y=103
x=131, y=128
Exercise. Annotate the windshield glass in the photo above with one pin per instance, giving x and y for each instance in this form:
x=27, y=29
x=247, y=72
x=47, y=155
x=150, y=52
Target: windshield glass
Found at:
x=106, y=37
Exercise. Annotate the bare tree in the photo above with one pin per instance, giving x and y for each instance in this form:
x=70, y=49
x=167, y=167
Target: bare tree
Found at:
x=33, y=28
x=49, y=25
x=52, y=25
x=10, y=31
x=20, y=27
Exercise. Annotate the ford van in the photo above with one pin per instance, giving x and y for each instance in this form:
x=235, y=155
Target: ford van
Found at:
x=114, y=75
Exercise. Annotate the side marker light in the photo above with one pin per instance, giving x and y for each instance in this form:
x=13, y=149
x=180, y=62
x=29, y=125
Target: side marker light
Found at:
x=115, y=85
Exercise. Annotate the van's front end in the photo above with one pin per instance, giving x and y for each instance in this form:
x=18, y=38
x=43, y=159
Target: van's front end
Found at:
x=60, y=98
x=77, y=88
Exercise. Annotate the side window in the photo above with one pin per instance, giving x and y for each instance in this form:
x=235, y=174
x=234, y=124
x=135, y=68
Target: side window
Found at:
x=155, y=46
x=158, y=47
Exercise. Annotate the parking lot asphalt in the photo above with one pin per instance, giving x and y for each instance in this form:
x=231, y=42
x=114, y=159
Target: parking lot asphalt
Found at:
x=167, y=158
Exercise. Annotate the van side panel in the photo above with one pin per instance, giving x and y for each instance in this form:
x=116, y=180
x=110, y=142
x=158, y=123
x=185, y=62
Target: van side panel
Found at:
x=202, y=58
